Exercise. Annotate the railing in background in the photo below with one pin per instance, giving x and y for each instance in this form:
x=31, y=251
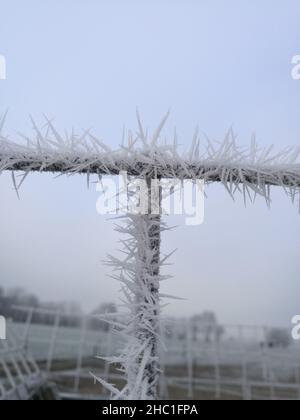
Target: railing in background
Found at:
x=20, y=375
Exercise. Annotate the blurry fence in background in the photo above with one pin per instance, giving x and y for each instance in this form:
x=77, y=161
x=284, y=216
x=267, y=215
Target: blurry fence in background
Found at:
x=20, y=376
x=199, y=361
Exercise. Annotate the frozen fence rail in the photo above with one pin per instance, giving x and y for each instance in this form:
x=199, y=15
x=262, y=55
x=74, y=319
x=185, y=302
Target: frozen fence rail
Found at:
x=251, y=171
x=255, y=168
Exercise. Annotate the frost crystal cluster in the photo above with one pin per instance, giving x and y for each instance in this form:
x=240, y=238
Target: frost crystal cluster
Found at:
x=251, y=171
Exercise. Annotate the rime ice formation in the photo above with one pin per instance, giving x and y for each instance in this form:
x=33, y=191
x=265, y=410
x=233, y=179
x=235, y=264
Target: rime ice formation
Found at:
x=251, y=171
x=140, y=275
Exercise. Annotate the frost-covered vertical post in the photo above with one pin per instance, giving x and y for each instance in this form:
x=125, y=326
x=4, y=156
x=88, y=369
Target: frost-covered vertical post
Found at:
x=147, y=297
x=140, y=276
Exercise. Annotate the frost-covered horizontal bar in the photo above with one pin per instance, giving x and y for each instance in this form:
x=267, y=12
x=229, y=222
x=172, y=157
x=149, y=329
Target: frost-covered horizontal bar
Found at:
x=147, y=156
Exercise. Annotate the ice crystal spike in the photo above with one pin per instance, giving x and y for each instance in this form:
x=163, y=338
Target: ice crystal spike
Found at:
x=251, y=171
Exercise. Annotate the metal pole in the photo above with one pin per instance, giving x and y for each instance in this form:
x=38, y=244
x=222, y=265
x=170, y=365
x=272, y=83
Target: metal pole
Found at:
x=150, y=300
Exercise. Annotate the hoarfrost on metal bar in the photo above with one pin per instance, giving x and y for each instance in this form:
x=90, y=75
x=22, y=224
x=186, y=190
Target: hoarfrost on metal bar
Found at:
x=251, y=170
